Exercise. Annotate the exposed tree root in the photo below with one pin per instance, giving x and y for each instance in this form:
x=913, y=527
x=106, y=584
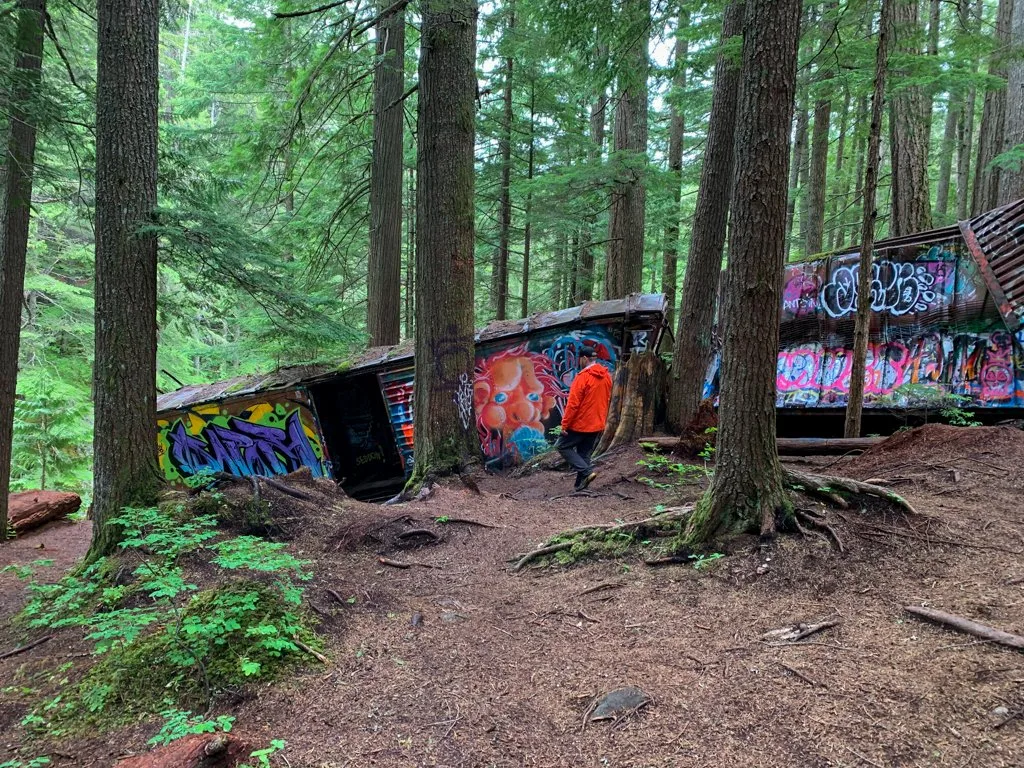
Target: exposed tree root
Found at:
x=819, y=524
x=825, y=486
x=653, y=526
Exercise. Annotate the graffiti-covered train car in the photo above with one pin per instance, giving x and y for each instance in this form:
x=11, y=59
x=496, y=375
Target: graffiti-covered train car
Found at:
x=356, y=425
x=944, y=321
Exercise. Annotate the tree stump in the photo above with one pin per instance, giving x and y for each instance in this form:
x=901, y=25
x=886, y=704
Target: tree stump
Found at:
x=636, y=394
x=206, y=750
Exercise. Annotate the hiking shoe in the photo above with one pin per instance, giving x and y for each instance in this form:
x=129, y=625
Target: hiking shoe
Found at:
x=584, y=482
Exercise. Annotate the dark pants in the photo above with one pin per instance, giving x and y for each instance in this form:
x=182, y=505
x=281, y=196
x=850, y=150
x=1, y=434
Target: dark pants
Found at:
x=576, y=448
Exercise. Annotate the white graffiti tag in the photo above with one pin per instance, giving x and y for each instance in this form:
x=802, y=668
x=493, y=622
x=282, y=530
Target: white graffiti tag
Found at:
x=896, y=288
x=464, y=400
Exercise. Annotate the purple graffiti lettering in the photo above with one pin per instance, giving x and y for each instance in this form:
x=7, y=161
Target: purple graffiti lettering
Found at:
x=242, y=448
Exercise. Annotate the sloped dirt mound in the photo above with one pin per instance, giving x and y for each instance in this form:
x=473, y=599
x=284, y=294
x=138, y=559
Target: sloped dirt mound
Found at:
x=940, y=444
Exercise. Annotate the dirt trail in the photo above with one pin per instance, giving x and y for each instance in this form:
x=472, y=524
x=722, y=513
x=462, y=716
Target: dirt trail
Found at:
x=468, y=664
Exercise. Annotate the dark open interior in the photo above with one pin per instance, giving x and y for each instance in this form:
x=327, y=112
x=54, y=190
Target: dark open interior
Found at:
x=360, y=441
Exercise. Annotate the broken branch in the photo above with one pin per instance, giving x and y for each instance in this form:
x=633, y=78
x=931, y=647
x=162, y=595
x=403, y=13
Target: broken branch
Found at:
x=24, y=648
x=970, y=627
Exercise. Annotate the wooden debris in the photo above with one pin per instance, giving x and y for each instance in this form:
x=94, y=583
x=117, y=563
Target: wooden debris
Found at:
x=970, y=627
x=827, y=486
x=798, y=673
x=795, y=632
x=445, y=519
x=27, y=647
x=311, y=651
x=403, y=565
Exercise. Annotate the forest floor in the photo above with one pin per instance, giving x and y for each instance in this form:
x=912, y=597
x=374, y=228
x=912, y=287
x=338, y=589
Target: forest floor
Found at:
x=466, y=663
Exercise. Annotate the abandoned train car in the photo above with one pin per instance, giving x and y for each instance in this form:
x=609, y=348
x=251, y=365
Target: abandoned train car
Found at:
x=355, y=424
x=946, y=311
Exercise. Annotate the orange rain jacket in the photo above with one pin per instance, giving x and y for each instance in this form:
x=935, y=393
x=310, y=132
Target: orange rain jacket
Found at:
x=589, y=395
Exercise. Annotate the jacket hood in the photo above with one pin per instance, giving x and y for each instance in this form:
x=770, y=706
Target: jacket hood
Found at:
x=595, y=370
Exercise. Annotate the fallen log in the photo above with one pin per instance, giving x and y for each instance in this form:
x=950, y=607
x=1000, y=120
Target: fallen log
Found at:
x=788, y=446
x=207, y=750
x=31, y=509
x=970, y=627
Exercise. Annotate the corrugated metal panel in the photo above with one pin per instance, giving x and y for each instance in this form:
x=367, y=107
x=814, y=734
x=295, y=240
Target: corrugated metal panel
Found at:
x=995, y=239
x=397, y=387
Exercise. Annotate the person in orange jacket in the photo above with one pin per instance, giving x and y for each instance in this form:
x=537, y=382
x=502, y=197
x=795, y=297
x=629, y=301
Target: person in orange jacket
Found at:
x=585, y=416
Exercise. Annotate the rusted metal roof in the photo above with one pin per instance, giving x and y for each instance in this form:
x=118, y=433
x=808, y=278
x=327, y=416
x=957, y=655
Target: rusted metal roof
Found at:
x=995, y=240
x=376, y=358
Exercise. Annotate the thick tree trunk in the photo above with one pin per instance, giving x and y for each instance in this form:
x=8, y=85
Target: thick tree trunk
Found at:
x=990, y=134
x=693, y=343
x=505, y=202
x=946, y=155
x=796, y=168
x=855, y=401
x=384, y=272
x=670, y=265
x=624, y=269
x=1011, y=175
x=747, y=492
x=444, y=418
x=15, y=201
x=908, y=128
x=124, y=372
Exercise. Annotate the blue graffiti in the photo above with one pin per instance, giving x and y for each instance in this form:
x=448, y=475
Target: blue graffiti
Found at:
x=242, y=448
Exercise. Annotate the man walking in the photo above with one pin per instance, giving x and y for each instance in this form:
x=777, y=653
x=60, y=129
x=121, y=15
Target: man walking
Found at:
x=585, y=416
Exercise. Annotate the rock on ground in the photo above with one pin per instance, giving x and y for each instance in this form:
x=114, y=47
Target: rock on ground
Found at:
x=30, y=509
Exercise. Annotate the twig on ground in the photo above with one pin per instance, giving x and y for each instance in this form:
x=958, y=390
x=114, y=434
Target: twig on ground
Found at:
x=795, y=632
x=584, y=616
x=970, y=627
x=24, y=648
x=798, y=673
x=463, y=520
x=319, y=656
x=867, y=760
x=287, y=490
x=337, y=597
x=1008, y=718
x=403, y=565
x=600, y=587
x=1018, y=580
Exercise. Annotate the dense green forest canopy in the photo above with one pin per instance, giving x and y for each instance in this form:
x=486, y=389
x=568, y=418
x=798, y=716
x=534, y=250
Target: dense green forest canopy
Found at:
x=266, y=137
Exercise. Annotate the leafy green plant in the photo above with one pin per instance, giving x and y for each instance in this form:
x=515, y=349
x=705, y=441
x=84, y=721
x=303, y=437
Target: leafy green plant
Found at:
x=179, y=723
x=669, y=473
x=263, y=755
x=159, y=634
x=35, y=762
x=702, y=561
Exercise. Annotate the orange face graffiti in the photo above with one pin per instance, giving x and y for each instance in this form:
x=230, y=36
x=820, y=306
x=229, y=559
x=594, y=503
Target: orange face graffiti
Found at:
x=510, y=393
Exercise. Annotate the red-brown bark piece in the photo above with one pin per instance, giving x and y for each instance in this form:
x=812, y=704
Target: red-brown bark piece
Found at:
x=202, y=750
x=31, y=509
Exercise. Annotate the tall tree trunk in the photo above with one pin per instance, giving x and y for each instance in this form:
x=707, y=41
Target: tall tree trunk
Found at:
x=946, y=155
x=15, y=202
x=505, y=202
x=410, y=257
x=124, y=372
x=841, y=180
x=908, y=127
x=692, y=350
x=990, y=134
x=670, y=266
x=1011, y=175
x=965, y=119
x=444, y=419
x=848, y=205
x=597, y=122
x=858, y=174
x=799, y=160
x=817, y=177
x=855, y=402
x=384, y=276
x=747, y=492
x=527, y=230
x=624, y=270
